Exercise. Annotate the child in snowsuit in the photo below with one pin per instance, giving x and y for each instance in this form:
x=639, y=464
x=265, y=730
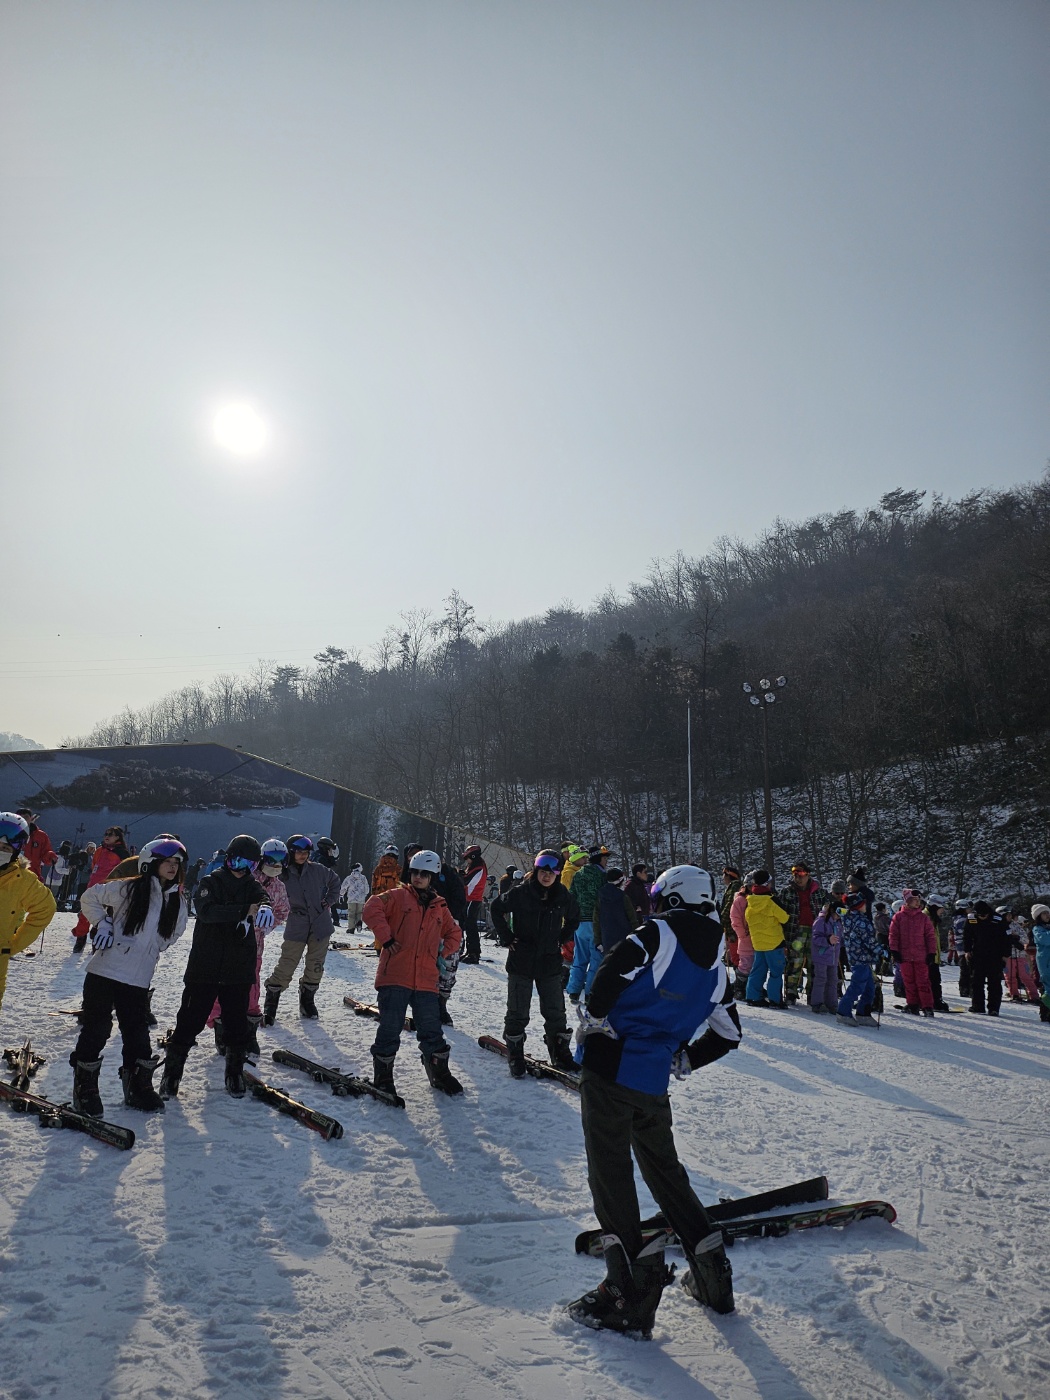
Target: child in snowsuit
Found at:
x=135, y=921
x=913, y=942
x=862, y=949
x=26, y=906
x=986, y=946
x=745, y=950
x=1041, y=939
x=826, y=945
x=765, y=923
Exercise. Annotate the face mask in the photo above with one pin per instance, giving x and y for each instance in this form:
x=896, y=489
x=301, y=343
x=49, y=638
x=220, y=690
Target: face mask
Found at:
x=6, y=858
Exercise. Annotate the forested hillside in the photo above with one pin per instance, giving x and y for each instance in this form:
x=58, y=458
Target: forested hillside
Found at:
x=914, y=637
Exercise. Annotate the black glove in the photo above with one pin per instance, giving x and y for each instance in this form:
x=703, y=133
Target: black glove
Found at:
x=931, y=959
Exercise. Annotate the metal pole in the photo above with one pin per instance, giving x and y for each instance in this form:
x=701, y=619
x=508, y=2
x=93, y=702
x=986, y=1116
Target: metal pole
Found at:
x=689, y=772
x=769, y=795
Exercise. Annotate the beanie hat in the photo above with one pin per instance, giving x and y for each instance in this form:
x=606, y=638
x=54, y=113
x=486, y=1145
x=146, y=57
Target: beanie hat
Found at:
x=1038, y=909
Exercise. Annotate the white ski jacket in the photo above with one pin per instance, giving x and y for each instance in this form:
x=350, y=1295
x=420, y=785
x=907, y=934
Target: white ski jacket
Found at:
x=131, y=960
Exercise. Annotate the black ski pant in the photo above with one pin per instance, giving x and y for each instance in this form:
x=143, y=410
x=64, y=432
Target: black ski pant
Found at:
x=103, y=996
x=197, y=1002
x=617, y=1121
x=471, y=937
x=519, y=1004
x=992, y=975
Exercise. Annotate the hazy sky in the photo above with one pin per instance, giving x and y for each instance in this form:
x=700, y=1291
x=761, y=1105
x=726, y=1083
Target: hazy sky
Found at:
x=528, y=293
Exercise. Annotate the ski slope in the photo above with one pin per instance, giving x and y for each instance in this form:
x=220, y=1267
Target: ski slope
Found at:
x=429, y=1253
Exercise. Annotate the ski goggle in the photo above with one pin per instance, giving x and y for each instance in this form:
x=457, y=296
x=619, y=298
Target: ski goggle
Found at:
x=301, y=843
x=240, y=863
x=167, y=850
x=546, y=862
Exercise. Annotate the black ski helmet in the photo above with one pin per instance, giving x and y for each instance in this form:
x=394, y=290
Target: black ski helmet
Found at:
x=244, y=846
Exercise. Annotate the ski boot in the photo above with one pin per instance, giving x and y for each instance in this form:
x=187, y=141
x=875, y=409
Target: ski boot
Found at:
x=139, y=1092
x=865, y=1018
x=273, y=996
x=560, y=1054
x=928, y=1011
x=383, y=1072
x=220, y=1044
x=236, y=1084
x=307, y=1006
x=709, y=1278
x=910, y=1010
x=516, y=1056
x=627, y=1298
x=86, y=1098
x=174, y=1064
x=254, y=1022
x=439, y=1074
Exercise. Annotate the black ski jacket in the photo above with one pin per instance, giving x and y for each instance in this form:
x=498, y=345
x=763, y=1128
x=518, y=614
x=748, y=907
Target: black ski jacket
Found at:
x=542, y=921
x=987, y=940
x=222, y=951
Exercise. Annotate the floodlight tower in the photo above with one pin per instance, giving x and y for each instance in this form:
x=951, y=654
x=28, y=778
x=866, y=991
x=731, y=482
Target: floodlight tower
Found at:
x=765, y=699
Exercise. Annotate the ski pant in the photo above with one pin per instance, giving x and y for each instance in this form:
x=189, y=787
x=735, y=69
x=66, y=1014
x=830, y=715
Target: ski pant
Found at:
x=616, y=1122
x=824, y=986
x=426, y=1013
x=935, y=984
x=254, y=1009
x=768, y=963
x=197, y=1001
x=353, y=914
x=992, y=975
x=965, y=975
x=471, y=937
x=104, y=996
x=1018, y=974
x=917, y=989
x=745, y=954
x=519, y=1004
x=292, y=951
x=861, y=991
x=798, y=960
x=585, y=961
x=1042, y=964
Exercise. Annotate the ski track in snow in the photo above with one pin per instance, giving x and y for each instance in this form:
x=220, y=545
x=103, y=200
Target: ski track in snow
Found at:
x=428, y=1253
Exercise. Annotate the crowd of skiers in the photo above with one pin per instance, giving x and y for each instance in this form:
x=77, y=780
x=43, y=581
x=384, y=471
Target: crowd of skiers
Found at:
x=843, y=939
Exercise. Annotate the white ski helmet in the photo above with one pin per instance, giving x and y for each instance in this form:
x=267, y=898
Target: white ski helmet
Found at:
x=14, y=830
x=429, y=861
x=161, y=848
x=274, y=856
x=684, y=885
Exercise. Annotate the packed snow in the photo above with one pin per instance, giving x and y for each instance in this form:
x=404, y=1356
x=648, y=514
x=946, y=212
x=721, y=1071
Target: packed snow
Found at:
x=429, y=1253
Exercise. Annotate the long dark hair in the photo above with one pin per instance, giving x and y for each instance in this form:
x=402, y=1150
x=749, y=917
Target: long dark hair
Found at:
x=137, y=906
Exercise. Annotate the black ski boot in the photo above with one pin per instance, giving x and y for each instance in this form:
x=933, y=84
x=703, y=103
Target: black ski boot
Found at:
x=307, y=1007
x=559, y=1052
x=273, y=996
x=446, y=1019
x=151, y=1020
x=174, y=1064
x=139, y=1092
x=235, y=1081
x=254, y=1022
x=220, y=1044
x=383, y=1073
x=86, y=1098
x=709, y=1278
x=516, y=1056
x=627, y=1298
x=439, y=1074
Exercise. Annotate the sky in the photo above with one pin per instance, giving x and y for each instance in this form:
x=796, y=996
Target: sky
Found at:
x=523, y=295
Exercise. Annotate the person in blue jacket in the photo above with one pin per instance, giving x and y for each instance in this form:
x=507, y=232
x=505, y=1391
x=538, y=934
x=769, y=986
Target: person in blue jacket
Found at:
x=660, y=1004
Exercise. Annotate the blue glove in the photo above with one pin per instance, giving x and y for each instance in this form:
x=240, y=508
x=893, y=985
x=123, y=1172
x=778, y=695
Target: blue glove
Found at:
x=443, y=965
x=102, y=938
x=264, y=920
x=680, y=1066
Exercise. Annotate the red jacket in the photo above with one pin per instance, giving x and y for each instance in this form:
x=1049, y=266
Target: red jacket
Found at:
x=103, y=863
x=37, y=850
x=912, y=935
x=411, y=936
x=476, y=880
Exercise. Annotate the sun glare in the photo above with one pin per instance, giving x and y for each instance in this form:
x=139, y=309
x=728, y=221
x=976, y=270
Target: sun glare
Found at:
x=240, y=429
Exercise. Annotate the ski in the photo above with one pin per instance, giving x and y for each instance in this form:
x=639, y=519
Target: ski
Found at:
x=539, y=1069
x=284, y=1103
x=903, y=1006
x=367, y=1008
x=342, y=1084
x=354, y=947
x=798, y=1193
x=24, y=1063
x=759, y=1226
x=63, y=1115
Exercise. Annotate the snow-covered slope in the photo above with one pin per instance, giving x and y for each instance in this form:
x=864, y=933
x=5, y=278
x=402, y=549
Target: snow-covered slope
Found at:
x=430, y=1253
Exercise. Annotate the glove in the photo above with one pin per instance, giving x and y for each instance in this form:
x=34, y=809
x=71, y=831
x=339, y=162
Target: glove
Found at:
x=931, y=959
x=680, y=1066
x=264, y=920
x=102, y=938
x=592, y=1025
x=443, y=965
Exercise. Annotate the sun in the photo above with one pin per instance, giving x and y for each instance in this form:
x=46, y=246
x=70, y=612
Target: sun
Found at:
x=241, y=429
